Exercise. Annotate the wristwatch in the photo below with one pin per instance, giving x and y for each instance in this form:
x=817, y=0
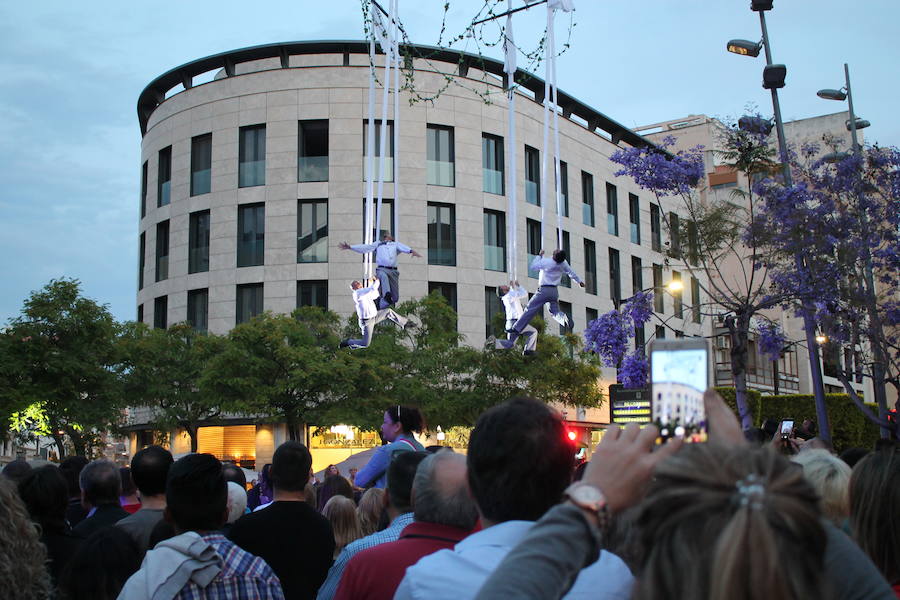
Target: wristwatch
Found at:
x=589, y=499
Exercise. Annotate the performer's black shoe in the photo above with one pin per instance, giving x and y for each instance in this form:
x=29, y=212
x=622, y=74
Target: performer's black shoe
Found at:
x=344, y=344
x=389, y=298
x=529, y=353
x=511, y=330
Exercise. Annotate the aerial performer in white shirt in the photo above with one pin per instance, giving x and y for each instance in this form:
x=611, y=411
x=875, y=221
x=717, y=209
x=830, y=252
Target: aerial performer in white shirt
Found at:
x=512, y=296
x=369, y=315
x=552, y=270
x=386, y=265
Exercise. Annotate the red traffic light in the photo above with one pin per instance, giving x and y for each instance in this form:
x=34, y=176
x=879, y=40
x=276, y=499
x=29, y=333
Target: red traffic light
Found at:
x=572, y=435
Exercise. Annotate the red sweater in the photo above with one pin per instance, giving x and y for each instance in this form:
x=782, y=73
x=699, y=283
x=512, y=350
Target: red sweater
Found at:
x=375, y=574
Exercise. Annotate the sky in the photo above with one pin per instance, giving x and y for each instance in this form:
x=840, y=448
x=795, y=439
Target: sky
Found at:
x=71, y=73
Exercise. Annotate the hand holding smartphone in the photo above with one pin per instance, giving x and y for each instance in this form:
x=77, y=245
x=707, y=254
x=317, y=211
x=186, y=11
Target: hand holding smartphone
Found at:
x=679, y=374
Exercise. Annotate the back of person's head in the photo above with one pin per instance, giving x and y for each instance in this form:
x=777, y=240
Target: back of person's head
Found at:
x=71, y=469
x=22, y=555
x=334, y=485
x=369, y=510
x=234, y=473
x=100, y=482
x=769, y=427
x=756, y=436
x=559, y=255
x=237, y=502
x=196, y=494
x=830, y=477
x=16, y=470
x=441, y=494
x=874, y=514
x=400, y=475
x=733, y=522
x=100, y=566
x=409, y=417
x=150, y=468
x=128, y=486
x=341, y=513
x=520, y=460
x=851, y=456
x=290, y=467
x=46, y=495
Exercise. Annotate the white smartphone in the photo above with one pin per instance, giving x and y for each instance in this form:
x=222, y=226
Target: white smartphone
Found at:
x=679, y=374
x=787, y=427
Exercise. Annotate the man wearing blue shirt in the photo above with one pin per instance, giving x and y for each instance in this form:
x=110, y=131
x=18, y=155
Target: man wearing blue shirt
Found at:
x=552, y=271
x=386, y=265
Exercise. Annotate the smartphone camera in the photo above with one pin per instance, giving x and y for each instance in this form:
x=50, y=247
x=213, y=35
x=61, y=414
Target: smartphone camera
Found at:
x=679, y=375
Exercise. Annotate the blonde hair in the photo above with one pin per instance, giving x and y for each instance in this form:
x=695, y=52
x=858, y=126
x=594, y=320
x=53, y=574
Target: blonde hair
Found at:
x=341, y=513
x=23, y=574
x=830, y=477
x=369, y=510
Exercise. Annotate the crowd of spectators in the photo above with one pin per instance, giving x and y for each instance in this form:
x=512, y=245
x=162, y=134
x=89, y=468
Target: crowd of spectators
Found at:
x=737, y=517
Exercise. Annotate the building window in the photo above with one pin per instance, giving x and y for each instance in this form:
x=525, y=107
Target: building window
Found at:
x=612, y=209
x=388, y=166
x=312, y=150
x=693, y=245
x=201, y=164
x=312, y=292
x=532, y=176
x=658, y=304
x=198, y=242
x=142, y=260
x=494, y=240
x=565, y=280
x=590, y=267
x=637, y=275
x=674, y=236
x=563, y=189
x=198, y=309
x=140, y=313
x=447, y=290
x=678, y=297
x=640, y=339
x=312, y=231
x=492, y=165
x=164, y=181
x=566, y=308
x=160, y=312
x=634, y=218
x=144, y=190
x=655, y=231
x=252, y=156
x=387, y=219
x=439, y=154
x=615, y=277
x=441, y=234
x=162, y=250
x=587, y=198
x=695, y=299
x=590, y=314
x=660, y=332
x=533, y=235
x=492, y=306
x=249, y=302
x=251, y=235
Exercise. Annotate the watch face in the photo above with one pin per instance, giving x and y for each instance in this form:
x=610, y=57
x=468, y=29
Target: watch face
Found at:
x=586, y=494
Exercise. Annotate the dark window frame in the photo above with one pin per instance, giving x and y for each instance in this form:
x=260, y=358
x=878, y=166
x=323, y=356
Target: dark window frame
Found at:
x=492, y=157
x=434, y=152
x=255, y=255
x=498, y=218
x=251, y=143
x=201, y=160
x=309, y=237
x=198, y=241
x=441, y=248
x=164, y=178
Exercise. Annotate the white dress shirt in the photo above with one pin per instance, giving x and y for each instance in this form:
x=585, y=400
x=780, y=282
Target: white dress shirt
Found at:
x=512, y=303
x=385, y=252
x=365, y=298
x=552, y=271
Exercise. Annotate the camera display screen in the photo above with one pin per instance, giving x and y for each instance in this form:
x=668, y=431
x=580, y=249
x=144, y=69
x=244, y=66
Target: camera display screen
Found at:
x=679, y=378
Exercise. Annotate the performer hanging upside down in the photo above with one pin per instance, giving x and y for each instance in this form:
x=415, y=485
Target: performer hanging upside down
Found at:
x=512, y=296
x=369, y=316
x=551, y=272
x=386, y=265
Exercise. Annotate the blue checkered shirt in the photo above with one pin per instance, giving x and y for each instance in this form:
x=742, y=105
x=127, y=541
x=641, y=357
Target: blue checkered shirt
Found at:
x=243, y=576
x=390, y=534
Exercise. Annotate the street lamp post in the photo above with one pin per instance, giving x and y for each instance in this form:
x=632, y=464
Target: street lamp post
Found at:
x=773, y=78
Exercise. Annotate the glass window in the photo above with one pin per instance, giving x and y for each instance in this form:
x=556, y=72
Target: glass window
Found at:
x=695, y=299
x=162, y=250
x=674, y=236
x=563, y=188
x=198, y=242
x=533, y=235
x=389, y=150
x=492, y=306
x=198, y=309
x=693, y=245
x=201, y=164
x=252, y=156
x=312, y=292
x=312, y=150
x=494, y=240
x=660, y=332
x=441, y=234
x=447, y=290
x=655, y=231
x=161, y=312
x=612, y=209
x=140, y=313
x=164, y=181
x=634, y=218
x=251, y=235
x=142, y=259
x=587, y=198
x=566, y=308
x=637, y=275
x=615, y=277
x=677, y=296
x=144, y=190
x=249, y=302
x=590, y=267
x=590, y=314
x=565, y=280
x=492, y=165
x=387, y=219
x=640, y=338
x=312, y=231
x=532, y=176
x=658, y=303
x=440, y=156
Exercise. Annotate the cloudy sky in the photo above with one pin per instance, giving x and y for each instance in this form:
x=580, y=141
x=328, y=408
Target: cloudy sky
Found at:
x=70, y=75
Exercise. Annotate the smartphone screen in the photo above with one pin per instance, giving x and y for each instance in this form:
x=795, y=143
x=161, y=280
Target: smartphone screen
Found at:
x=679, y=374
x=787, y=427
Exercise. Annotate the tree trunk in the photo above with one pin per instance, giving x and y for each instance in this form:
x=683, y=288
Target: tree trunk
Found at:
x=192, y=431
x=60, y=442
x=293, y=428
x=79, y=444
x=739, y=332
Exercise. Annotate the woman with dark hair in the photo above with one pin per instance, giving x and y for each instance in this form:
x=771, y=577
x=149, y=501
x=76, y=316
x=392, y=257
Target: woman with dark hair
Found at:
x=261, y=493
x=874, y=513
x=23, y=575
x=101, y=566
x=71, y=469
x=400, y=423
x=334, y=485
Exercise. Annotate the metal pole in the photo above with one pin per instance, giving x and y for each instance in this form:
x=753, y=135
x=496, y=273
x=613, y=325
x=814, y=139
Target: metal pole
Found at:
x=809, y=326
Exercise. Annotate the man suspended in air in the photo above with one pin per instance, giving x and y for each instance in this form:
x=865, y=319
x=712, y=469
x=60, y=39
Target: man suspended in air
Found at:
x=369, y=316
x=386, y=265
x=512, y=296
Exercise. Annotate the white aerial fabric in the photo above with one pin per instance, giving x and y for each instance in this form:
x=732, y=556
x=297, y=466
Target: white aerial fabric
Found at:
x=509, y=67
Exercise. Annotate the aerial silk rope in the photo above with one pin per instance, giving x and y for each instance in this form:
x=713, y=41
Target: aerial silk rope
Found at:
x=509, y=67
x=387, y=46
x=396, y=54
x=370, y=151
